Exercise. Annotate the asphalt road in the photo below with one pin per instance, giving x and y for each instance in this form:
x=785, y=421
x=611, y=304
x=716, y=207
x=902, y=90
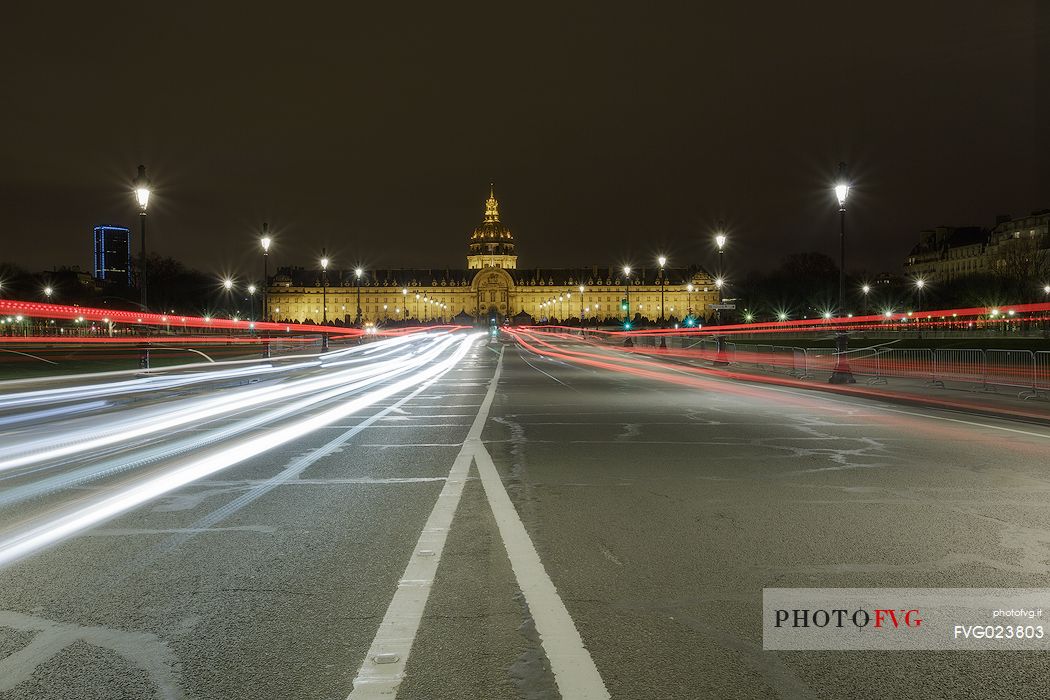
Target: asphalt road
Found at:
x=655, y=508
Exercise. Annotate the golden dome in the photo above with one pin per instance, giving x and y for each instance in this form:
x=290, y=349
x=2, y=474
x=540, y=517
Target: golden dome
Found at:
x=491, y=229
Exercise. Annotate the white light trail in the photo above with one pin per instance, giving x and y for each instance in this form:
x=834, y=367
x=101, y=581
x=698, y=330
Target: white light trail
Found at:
x=155, y=420
x=77, y=519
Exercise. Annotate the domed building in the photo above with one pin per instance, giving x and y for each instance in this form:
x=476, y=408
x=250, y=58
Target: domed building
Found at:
x=491, y=288
x=492, y=243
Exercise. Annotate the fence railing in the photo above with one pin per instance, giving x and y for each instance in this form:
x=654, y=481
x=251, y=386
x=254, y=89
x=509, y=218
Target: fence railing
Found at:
x=1026, y=371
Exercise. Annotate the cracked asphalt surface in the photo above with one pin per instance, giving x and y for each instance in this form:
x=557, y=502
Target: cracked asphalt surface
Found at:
x=659, y=511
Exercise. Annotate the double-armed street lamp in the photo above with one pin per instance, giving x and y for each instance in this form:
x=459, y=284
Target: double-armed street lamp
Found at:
x=265, y=242
x=142, y=193
x=842, y=374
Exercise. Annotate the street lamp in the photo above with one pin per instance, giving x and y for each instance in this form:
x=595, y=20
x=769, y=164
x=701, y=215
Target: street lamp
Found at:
x=265, y=242
x=842, y=373
x=920, y=285
x=251, y=302
x=227, y=284
x=689, y=294
x=627, y=311
x=866, y=289
x=324, y=287
x=581, y=305
x=663, y=261
x=721, y=358
x=357, y=276
x=142, y=192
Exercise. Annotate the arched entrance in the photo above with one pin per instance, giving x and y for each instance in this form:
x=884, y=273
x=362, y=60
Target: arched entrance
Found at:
x=492, y=290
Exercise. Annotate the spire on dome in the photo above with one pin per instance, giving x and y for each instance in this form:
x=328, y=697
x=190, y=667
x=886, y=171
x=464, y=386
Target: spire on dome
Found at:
x=492, y=206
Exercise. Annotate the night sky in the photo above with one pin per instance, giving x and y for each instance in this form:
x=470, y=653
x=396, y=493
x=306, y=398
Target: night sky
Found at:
x=613, y=133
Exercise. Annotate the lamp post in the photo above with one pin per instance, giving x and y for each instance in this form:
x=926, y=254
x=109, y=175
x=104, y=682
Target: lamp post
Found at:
x=324, y=287
x=689, y=297
x=663, y=261
x=357, y=276
x=142, y=192
x=581, y=305
x=265, y=242
x=627, y=282
x=721, y=357
x=866, y=290
x=842, y=373
x=251, y=302
x=227, y=285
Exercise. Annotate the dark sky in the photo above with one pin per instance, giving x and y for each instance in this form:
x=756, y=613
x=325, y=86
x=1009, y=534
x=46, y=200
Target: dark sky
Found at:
x=613, y=132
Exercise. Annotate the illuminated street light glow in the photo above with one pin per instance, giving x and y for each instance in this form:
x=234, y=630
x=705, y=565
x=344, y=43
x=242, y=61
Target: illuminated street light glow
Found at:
x=265, y=241
x=720, y=241
x=227, y=284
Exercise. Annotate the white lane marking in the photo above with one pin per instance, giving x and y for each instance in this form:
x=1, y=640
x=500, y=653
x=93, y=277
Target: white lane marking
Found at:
x=574, y=670
x=397, y=632
x=384, y=666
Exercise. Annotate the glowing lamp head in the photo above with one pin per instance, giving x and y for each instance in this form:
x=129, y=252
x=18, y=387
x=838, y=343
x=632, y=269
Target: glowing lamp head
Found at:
x=227, y=284
x=920, y=283
x=358, y=272
x=842, y=186
x=324, y=263
x=48, y=291
x=251, y=289
x=866, y=288
x=1046, y=289
x=404, y=292
x=626, y=269
x=142, y=188
x=662, y=260
x=581, y=289
x=719, y=282
x=841, y=192
x=782, y=316
x=720, y=241
x=827, y=314
x=689, y=288
x=888, y=313
x=265, y=241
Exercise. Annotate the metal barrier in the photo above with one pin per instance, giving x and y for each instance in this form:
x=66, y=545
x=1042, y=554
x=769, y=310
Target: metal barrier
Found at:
x=1042, y=372
x=962, y=365
x=820, y=360
x=902, y=363
x=1025, y=370
x=1012, y=368
x=789, y=360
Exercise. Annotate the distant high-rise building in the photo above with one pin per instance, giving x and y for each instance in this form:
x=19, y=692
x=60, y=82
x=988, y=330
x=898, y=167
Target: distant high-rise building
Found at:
x=113, y=254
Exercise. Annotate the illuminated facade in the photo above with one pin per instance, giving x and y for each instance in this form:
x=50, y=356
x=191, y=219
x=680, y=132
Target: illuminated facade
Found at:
x=491, y=288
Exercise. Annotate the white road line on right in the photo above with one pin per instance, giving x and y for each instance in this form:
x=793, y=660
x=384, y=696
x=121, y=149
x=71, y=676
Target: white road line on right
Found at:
x=574, y=670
